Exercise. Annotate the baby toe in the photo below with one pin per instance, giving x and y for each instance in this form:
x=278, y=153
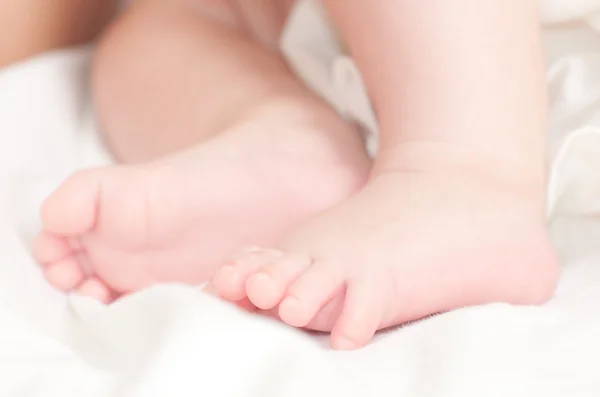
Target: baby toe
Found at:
x=310, y=292
x=48, y=248
x=267, y=287
x=96, y=289
x=230, y=280
x=362, y=315
x=72, y=209
x=64, y=274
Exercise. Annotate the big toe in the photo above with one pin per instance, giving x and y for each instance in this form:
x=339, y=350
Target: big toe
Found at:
x=71, y=209
x=48, y=248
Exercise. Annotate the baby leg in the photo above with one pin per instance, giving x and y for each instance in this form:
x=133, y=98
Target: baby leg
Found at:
x=454, y=212
x=30, y=27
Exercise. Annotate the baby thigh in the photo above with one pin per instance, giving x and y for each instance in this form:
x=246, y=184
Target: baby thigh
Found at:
x=35, y=26
x=162, y=74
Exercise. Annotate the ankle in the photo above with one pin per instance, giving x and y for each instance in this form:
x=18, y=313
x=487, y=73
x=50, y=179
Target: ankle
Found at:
x=524, y=176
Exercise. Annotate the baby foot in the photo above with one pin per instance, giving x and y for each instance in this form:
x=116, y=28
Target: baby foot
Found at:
x=408, y=245
x=114, y=230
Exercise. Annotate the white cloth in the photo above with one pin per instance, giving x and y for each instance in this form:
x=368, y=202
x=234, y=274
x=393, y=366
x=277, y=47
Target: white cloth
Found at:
x=316, y=54
x=176, y=341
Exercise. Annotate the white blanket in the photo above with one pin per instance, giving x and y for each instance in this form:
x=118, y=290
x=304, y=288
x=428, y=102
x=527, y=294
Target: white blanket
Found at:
x=176, y=341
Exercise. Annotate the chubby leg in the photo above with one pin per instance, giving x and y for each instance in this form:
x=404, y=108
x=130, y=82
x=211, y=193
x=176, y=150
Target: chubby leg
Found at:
x=33, y=26
x=454, y=211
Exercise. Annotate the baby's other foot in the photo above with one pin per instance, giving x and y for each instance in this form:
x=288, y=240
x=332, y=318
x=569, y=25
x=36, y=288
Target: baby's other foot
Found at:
x=118, y=229
x=409, y=245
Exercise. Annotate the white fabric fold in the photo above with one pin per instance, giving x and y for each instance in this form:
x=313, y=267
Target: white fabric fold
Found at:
x=175, y=340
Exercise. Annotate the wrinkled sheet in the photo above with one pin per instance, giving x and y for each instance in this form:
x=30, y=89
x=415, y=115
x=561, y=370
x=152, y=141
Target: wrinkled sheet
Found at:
x=175, y=340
